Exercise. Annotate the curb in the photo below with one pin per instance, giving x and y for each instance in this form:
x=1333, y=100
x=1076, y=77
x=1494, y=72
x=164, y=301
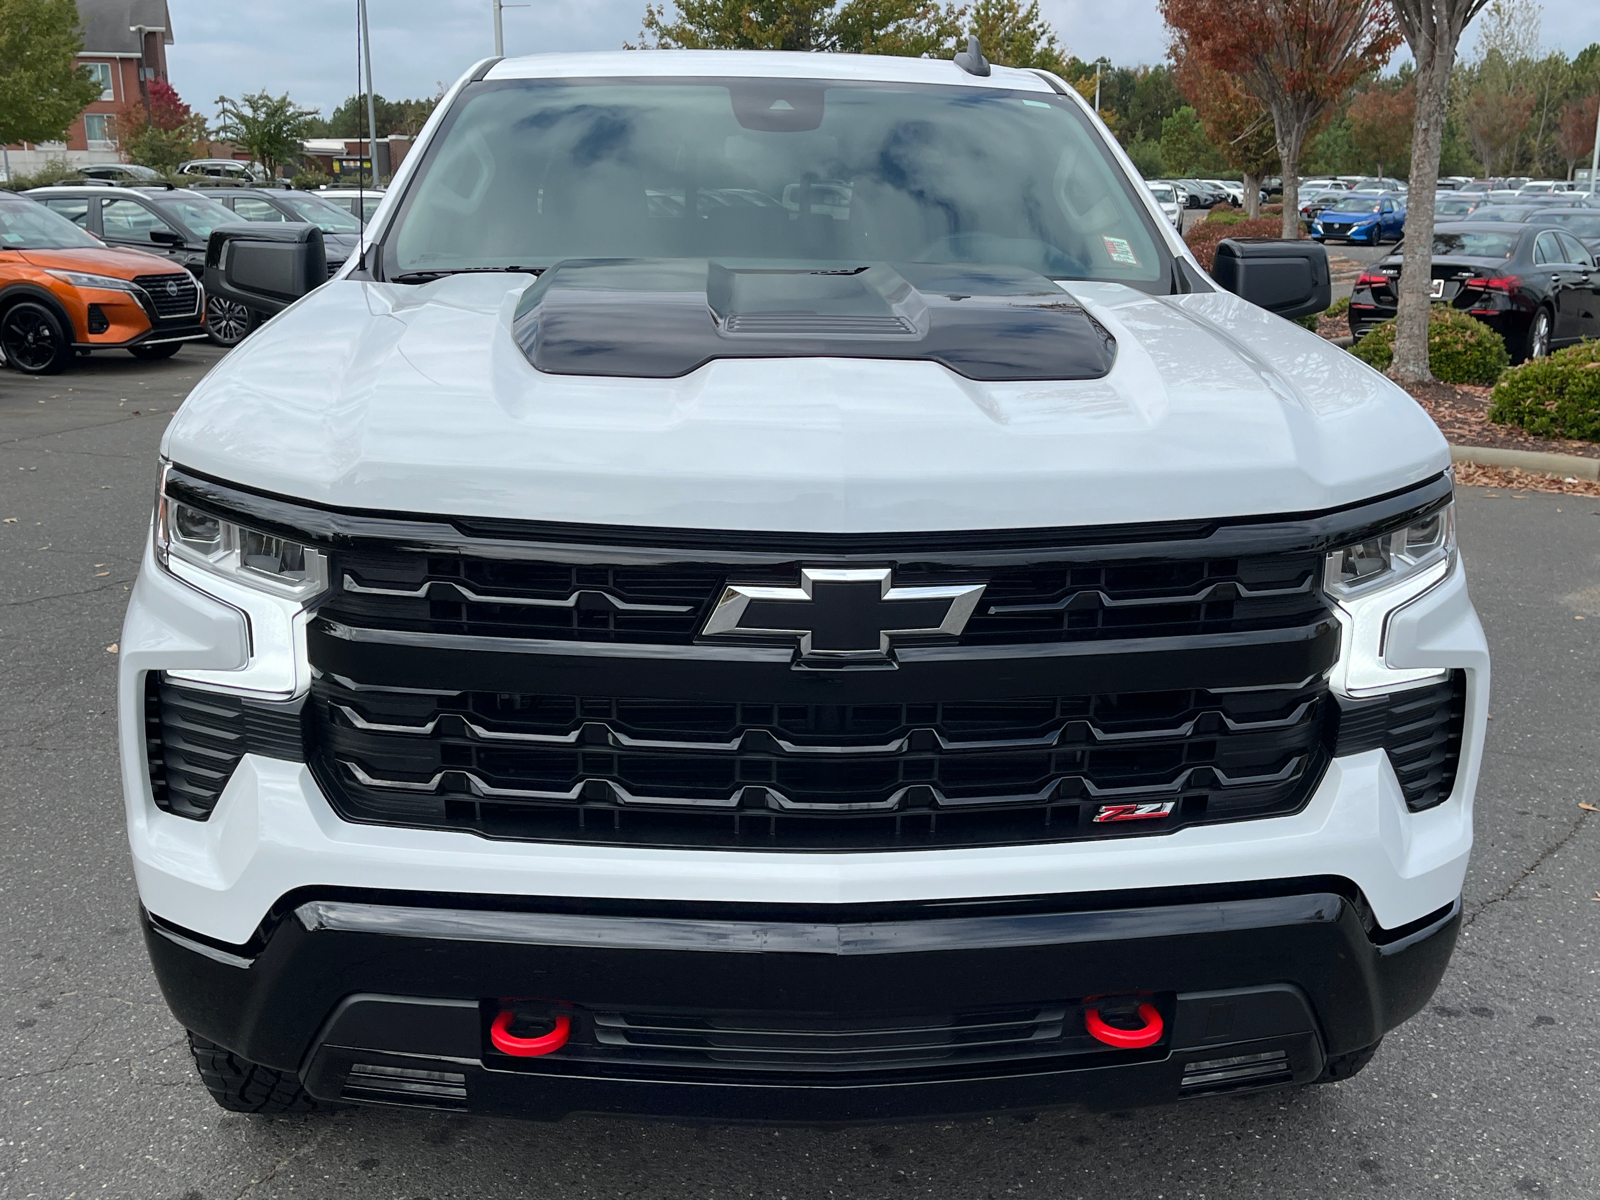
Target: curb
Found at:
x=1535, y=461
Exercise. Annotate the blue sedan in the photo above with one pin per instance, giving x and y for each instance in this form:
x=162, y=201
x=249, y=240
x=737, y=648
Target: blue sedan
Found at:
x=1365, y=217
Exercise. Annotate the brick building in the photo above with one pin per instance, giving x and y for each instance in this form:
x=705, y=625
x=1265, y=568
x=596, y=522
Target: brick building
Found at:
x=125, y=46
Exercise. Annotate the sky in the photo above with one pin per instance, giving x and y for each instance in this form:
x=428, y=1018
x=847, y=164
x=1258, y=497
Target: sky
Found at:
x=308, y=47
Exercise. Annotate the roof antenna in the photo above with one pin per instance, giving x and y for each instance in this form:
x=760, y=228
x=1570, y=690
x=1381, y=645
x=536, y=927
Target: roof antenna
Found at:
x=971, y=60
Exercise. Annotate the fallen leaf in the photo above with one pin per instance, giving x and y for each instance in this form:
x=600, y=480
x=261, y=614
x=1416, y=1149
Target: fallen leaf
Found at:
x=101, y=574
x=111, y=649
x=1579, y=618
x=1588, y=807
x=11, y=521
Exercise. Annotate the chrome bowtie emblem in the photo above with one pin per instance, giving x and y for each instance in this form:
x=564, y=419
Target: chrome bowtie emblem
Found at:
x=842, y=616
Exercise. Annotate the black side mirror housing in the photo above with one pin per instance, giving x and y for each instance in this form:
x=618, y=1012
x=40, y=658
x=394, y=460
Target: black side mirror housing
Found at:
x=264, y=265
x=166, y=237
x=1289, y=278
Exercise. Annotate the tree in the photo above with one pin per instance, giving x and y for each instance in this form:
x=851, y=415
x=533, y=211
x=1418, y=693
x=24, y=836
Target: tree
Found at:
x=1575, y=137
x=1298, y=57
x=269, y=128
x=1235, y=122
x=1153, y=98
x=1014, y=35
x=405, y=117
x=42, y=87
x=163, y=137
x=1381, y=120
x=1185, y=148
x=1496, y=121
x=911, y=28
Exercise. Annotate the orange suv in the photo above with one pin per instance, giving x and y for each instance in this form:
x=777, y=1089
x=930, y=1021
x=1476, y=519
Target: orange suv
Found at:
x=64, y=292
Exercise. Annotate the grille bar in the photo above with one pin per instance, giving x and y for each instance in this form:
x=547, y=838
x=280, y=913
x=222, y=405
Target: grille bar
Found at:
x=1420, y=728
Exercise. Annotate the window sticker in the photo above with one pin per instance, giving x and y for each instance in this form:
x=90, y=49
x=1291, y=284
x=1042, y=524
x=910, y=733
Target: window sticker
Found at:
x=1120, y=251
x=1037, y=104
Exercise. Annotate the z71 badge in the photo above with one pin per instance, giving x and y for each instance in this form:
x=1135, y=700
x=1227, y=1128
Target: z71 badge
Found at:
x=1134, y=812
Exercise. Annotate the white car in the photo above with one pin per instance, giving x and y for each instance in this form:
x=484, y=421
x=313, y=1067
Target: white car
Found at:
x=921, y=648
x=358, y=202
x=1166, y=196
x=1235, y=190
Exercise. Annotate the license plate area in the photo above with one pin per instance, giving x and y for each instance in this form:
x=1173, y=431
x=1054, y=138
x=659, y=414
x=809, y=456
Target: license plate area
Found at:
x=1436, y=290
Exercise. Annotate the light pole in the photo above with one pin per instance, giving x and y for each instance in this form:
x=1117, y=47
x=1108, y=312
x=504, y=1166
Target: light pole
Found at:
x=499, y=33
x=372, y=120
x=1594, y=159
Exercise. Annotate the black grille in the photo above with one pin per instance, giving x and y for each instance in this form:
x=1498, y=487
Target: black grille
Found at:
x=174, y=294
x=1421, y=728
x=740, y=1045
x=194, y=740
x=1044, y=601
x=816, y=776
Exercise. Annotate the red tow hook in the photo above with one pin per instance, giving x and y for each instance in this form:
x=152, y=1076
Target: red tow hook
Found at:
x=548, y=1043
x=1126, y=1039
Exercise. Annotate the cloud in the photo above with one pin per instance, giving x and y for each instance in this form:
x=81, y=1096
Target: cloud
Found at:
x=308, y=48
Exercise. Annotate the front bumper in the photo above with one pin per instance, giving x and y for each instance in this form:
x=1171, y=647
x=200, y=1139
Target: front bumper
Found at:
x=837, y=1016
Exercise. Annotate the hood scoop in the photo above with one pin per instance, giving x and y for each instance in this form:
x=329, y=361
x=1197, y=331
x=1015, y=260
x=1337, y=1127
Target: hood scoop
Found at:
x=663, y=318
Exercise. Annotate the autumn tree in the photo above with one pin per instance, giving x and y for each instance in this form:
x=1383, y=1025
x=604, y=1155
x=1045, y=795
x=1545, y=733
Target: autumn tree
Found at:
x=1297, y=57
x=1381, y=120
x=1576, y=134
x=162, y=137
x=1235, y=122
x=912, y=28
x=1496, y=120
x=42, y=87
x=1433, y=29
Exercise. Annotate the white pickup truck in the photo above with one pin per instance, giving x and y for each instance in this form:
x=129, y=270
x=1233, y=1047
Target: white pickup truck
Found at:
x=774, y=587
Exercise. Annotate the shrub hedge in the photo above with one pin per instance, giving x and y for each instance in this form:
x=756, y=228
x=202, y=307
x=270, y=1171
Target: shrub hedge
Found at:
x=1557, y=396
x=1204, y=236
x=1461, y=348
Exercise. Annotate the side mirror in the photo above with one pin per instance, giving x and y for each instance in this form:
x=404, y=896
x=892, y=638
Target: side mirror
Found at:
x=166, y=237
x=265, y=266
x=1287, y=278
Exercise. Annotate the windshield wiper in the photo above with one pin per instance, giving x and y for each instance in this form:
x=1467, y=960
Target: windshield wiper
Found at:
x=430, y=276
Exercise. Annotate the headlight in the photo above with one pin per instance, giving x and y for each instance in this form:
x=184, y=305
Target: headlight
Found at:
x=1369, y=582
x=80, y=279
x=1391, y=558
x=236, y=552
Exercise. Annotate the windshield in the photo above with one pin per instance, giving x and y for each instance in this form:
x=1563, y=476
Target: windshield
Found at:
x=27, y=225
x=1452, y=208
x=1164, y=194
x=530, y=172
x=1475, y=244
x=198, y=213
x=1356, y=204
x=325, y=216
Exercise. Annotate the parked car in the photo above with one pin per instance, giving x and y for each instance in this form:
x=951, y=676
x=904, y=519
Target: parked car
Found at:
x=1362, y=217
x=1314, y=200
x=63, y=292
x=1166, y=196
x=1546, y=187
x=1510, y=214
x=362, y=202
x=224, y=169
x=174, y=222
x=1457, y=206
x=1583, y=224
x=737, y=662
x=1536, y=284
x=120, y=172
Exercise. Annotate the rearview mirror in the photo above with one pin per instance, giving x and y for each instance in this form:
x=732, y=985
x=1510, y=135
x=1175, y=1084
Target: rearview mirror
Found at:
x=1283, y=277
x=266, y=267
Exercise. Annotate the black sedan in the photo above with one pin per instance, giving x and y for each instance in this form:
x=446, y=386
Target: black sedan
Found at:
x=1536, y=284
x=1581, y=223
x=339, y=235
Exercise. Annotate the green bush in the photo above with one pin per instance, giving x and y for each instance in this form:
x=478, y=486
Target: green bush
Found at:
x=1461, y=349
x=1557, y=396
x=1339, y=308
x=1226, y=216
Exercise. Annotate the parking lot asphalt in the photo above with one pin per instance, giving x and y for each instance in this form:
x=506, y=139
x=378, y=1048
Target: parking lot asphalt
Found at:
x=1492, y=1092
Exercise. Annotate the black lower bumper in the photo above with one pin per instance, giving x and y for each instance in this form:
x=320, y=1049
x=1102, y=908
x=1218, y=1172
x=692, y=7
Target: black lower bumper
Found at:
x=720, y=1015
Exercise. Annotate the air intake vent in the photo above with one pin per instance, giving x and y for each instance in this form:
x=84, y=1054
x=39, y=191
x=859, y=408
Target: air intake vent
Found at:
x=194, y=740
x=817, y=324
x=374, y=1084
x=1421, y=729
x=1240, y=1071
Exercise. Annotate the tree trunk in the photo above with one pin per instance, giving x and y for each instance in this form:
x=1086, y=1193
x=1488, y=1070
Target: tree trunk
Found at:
x=1252, y=194
x=1289, y=143
x=1416, y=273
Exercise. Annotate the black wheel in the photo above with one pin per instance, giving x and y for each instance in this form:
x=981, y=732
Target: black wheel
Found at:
x=227, y=321
x=1536, y=342
x=1343, y=1066
x=239, y=1085
x=155, y=353
x=34, y=339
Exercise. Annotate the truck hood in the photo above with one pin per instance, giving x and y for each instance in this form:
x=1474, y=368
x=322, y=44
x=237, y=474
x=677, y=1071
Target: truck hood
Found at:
x=418, y=399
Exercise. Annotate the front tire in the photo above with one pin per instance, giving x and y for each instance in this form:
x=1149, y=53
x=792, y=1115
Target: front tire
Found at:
x=239, y=1085
x=227, y=322
x=155, y=353
x=34, y=339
